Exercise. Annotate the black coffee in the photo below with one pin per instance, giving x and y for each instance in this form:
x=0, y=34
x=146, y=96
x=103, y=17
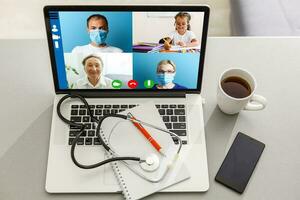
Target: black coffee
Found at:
x=236, y=87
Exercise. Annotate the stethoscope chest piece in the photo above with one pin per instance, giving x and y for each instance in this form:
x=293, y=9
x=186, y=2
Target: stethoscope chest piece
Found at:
x=151, y=163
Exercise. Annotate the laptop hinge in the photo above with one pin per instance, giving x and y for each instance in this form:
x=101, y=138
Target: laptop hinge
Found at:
x=139, y=94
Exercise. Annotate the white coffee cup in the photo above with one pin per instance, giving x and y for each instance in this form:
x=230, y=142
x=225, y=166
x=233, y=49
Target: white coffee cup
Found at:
x=232, y=105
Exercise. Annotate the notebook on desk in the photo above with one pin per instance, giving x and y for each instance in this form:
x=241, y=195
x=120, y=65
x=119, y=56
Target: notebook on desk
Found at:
x=127, y=140
x=98, y=63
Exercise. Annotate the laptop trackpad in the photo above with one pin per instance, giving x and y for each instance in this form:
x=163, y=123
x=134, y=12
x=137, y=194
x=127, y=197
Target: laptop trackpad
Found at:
x=93, y=155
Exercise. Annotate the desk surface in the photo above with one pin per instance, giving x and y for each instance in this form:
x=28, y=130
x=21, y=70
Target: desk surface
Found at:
x=27, y=95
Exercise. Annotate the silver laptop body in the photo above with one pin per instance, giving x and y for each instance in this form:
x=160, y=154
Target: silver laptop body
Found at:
x=64, y=177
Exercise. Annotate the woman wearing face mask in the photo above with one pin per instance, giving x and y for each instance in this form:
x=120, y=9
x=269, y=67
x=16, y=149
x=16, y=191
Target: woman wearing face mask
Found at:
x=94, y=79
x=97, y=28
x=165, y=74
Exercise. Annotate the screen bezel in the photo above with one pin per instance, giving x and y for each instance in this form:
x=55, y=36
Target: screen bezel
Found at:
x=130, y=8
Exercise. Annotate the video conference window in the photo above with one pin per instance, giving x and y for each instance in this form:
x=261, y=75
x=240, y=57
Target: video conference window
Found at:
x=98, y=71
x=177, y=32
x=127, y=50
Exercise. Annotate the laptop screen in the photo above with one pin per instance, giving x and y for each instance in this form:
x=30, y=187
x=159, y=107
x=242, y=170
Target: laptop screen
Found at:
x=119, y=49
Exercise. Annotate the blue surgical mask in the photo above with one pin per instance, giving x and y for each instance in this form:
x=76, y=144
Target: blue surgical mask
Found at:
x=98, y=36
x=164, y=79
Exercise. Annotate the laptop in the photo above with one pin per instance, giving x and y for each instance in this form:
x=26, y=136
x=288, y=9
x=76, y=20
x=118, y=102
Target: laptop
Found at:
x=119, y=57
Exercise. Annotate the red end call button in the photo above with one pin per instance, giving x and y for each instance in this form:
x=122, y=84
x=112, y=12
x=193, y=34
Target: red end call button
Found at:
x=132, y=84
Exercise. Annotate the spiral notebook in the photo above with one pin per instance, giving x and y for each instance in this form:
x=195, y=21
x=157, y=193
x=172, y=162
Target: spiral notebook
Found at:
x=126, y=140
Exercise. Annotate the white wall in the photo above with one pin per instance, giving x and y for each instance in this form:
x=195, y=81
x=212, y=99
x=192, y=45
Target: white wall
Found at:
x=122, y=65
x=151, y=27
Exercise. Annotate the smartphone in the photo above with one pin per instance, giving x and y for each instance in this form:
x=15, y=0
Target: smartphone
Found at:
x=240, y=162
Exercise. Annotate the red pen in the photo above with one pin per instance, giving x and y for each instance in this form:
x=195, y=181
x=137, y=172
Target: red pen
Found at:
x=147, y=135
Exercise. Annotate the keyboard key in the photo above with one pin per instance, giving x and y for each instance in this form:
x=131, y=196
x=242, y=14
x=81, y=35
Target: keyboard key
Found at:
x=74, y=112
x=99, y=106
x=131, y=106
x=83, y=134
x=88, y=141
x=161, y=111
x=179, y=112
x=74, y=127
x=180, y=106
x=169, y=112
x=76, y=119
x=71, y=140
x=179, y=125
x=98, y=112
x=92, y=106
x=179, y=132
x=166, y=118
x=116, y=106
x=94, y=119
x=157, y=106
x=85, y=119
x=173, y=118
x=106, y=112
x=114, y=111
x=168, y=125
x=73, y=133
x=107, y=106
x=97, y=141
x=181, y=118
x=92, y=112
x=124, y=106
x=80, y=141
x=88, y=125
x=82, y=112
x=82, y=106
x=175, y=139
x=91, y=133
x=121, y=110
x=172, y=106
x=74, y=106
x=164, y=106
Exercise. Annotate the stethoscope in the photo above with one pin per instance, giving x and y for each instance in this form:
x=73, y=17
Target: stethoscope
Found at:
x=150, y=164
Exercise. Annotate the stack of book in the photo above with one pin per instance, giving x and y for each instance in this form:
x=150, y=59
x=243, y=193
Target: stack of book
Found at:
x=146, y=47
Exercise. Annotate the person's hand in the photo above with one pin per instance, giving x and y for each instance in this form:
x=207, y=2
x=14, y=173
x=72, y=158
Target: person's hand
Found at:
x=180, y=43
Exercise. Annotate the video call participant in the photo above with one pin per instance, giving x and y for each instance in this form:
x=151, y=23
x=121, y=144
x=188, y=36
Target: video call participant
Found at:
x=94, y=79
x=165, y=74
x=97, y=28
x=182, y=36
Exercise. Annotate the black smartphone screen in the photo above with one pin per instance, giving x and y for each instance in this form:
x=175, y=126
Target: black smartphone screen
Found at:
x=240, y=162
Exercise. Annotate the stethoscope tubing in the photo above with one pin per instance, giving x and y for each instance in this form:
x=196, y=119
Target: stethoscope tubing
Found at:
x=82, y=127
x=99, y=123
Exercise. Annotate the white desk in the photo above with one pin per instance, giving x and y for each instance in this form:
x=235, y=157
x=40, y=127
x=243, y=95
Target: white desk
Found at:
x=27, y=95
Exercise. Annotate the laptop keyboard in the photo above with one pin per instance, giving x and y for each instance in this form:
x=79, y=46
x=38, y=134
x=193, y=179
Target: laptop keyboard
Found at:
x=174, y=117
